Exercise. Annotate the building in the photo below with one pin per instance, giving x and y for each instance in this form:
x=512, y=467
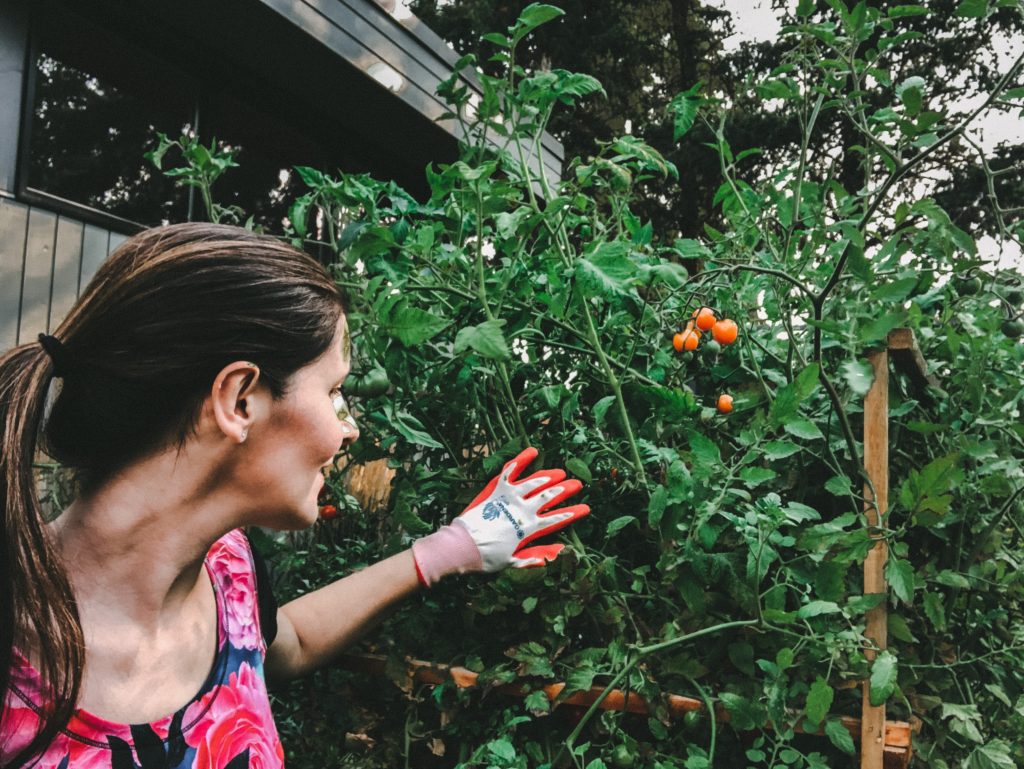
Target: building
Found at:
x=84, y=85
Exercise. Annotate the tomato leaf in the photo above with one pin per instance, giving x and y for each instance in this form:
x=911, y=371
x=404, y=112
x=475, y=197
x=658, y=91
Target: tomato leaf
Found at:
x=411, y=428
x=839, y=736
x=883, y=678
x=907, y=10
x=858, y=375
x=972, y=9
x=839, y=485
x=683, y=109
x=755, y=476
x=485, y=338
x=803, y=428
x=900, y=575
x=788, y=398
x=531, y=17
x=860, y=604
x=911, y=93
x=746, y=714
x=620, y=523
x=995, y=754
x=502, y=749
x=935, y=611
x=817, y=608
x=819, y=700
x=606, y=270
x=412, y=326
x=779, y=449
x=579, y=468
x=656, y=506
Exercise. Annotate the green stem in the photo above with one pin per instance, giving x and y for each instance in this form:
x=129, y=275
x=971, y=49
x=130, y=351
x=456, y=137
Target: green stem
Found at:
x=710, y=707
x=613, y=382
x=482, y=296
x=640, y=653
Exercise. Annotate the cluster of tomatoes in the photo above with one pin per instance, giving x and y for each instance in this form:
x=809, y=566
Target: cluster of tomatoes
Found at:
x=723, y=332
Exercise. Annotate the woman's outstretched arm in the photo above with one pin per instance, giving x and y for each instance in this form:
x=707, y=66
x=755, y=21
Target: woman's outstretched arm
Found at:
x=314, y=628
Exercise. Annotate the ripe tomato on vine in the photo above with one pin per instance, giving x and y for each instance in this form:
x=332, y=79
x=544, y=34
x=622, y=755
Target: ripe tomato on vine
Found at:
x=725, y=331
x=705, y=318
x=686, y=340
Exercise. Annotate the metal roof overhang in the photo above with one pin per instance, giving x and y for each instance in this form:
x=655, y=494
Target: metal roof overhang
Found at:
x=318, y=57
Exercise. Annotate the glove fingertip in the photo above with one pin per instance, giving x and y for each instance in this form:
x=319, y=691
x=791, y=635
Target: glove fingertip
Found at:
x=529, y=563
x=519, y=463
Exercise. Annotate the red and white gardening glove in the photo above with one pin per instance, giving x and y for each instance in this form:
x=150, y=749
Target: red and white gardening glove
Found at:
x=493, y=531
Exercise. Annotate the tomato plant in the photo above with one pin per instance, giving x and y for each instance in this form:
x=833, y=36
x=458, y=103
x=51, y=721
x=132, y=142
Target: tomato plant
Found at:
x=512, y=308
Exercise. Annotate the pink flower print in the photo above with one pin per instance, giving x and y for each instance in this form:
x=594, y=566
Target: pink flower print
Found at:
x=238, y=719
x=233, y=572
x=19, y=726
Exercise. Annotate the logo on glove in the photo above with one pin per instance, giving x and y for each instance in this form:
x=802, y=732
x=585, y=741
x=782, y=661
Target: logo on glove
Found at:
x=493, y=509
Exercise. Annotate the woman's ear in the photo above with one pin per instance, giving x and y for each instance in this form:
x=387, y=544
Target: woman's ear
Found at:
x=231, y=399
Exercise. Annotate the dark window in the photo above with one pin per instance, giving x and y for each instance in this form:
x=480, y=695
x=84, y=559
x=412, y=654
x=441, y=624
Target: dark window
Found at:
x=97, y=101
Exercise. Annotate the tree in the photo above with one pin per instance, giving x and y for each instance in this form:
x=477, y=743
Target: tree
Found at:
x=645, y=53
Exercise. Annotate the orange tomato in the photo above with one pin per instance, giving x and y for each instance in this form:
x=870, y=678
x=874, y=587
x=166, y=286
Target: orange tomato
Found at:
x=327, y=512
x=690, y=339
x=705, y=318
x=725, y=331
x=724, y=403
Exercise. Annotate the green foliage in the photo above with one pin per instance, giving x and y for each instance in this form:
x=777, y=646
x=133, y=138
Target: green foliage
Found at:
x=722, y=557
x=202, y=167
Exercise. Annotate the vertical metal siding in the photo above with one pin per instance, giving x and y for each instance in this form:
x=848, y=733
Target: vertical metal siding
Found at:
x=38, y=279
x=116, y=239
x=67, y=262
x=45, y=262
x=95, y=241
x=13, y=225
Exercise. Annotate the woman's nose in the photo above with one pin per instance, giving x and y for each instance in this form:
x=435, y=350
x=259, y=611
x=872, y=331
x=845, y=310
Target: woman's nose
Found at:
x=349, y=431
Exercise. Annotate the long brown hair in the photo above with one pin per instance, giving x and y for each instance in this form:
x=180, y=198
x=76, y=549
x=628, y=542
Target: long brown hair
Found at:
x=141, y=347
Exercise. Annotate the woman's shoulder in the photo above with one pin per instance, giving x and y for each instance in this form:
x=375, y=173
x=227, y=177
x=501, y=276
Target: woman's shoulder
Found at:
x=232, y=567
x=234, y=544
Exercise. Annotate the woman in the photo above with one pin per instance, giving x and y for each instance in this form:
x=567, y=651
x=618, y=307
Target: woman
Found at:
x=195, y=388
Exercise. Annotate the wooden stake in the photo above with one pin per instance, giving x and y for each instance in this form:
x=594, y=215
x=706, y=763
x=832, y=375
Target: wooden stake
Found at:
x=876, y=493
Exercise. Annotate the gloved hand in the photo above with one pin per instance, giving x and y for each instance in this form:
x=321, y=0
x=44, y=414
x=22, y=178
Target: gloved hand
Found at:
x=493, y=531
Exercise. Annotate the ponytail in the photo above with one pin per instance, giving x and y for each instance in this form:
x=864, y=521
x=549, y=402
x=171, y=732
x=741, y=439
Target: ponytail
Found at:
x=37, y=607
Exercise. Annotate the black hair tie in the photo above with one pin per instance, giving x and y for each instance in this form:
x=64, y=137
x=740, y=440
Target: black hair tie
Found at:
x=58, y=354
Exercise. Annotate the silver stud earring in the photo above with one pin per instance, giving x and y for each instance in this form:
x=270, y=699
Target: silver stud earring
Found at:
x=245, y=433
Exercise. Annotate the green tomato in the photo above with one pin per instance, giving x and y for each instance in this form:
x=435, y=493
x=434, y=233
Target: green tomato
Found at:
x=1013, y=329
x=369, y=385
x=1015, y=296
x=712, y=347
x=969, y=286
x=623, y=757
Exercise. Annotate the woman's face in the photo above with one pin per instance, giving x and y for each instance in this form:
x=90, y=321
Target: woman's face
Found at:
x=300, y=437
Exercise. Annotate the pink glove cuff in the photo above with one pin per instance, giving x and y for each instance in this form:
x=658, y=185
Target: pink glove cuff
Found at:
x=449, y=550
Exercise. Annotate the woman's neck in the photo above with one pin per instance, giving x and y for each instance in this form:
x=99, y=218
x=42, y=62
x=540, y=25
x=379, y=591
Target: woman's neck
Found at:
x=134, y=548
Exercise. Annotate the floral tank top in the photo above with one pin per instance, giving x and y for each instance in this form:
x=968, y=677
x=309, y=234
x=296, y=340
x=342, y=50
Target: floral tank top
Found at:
x=227, y=725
